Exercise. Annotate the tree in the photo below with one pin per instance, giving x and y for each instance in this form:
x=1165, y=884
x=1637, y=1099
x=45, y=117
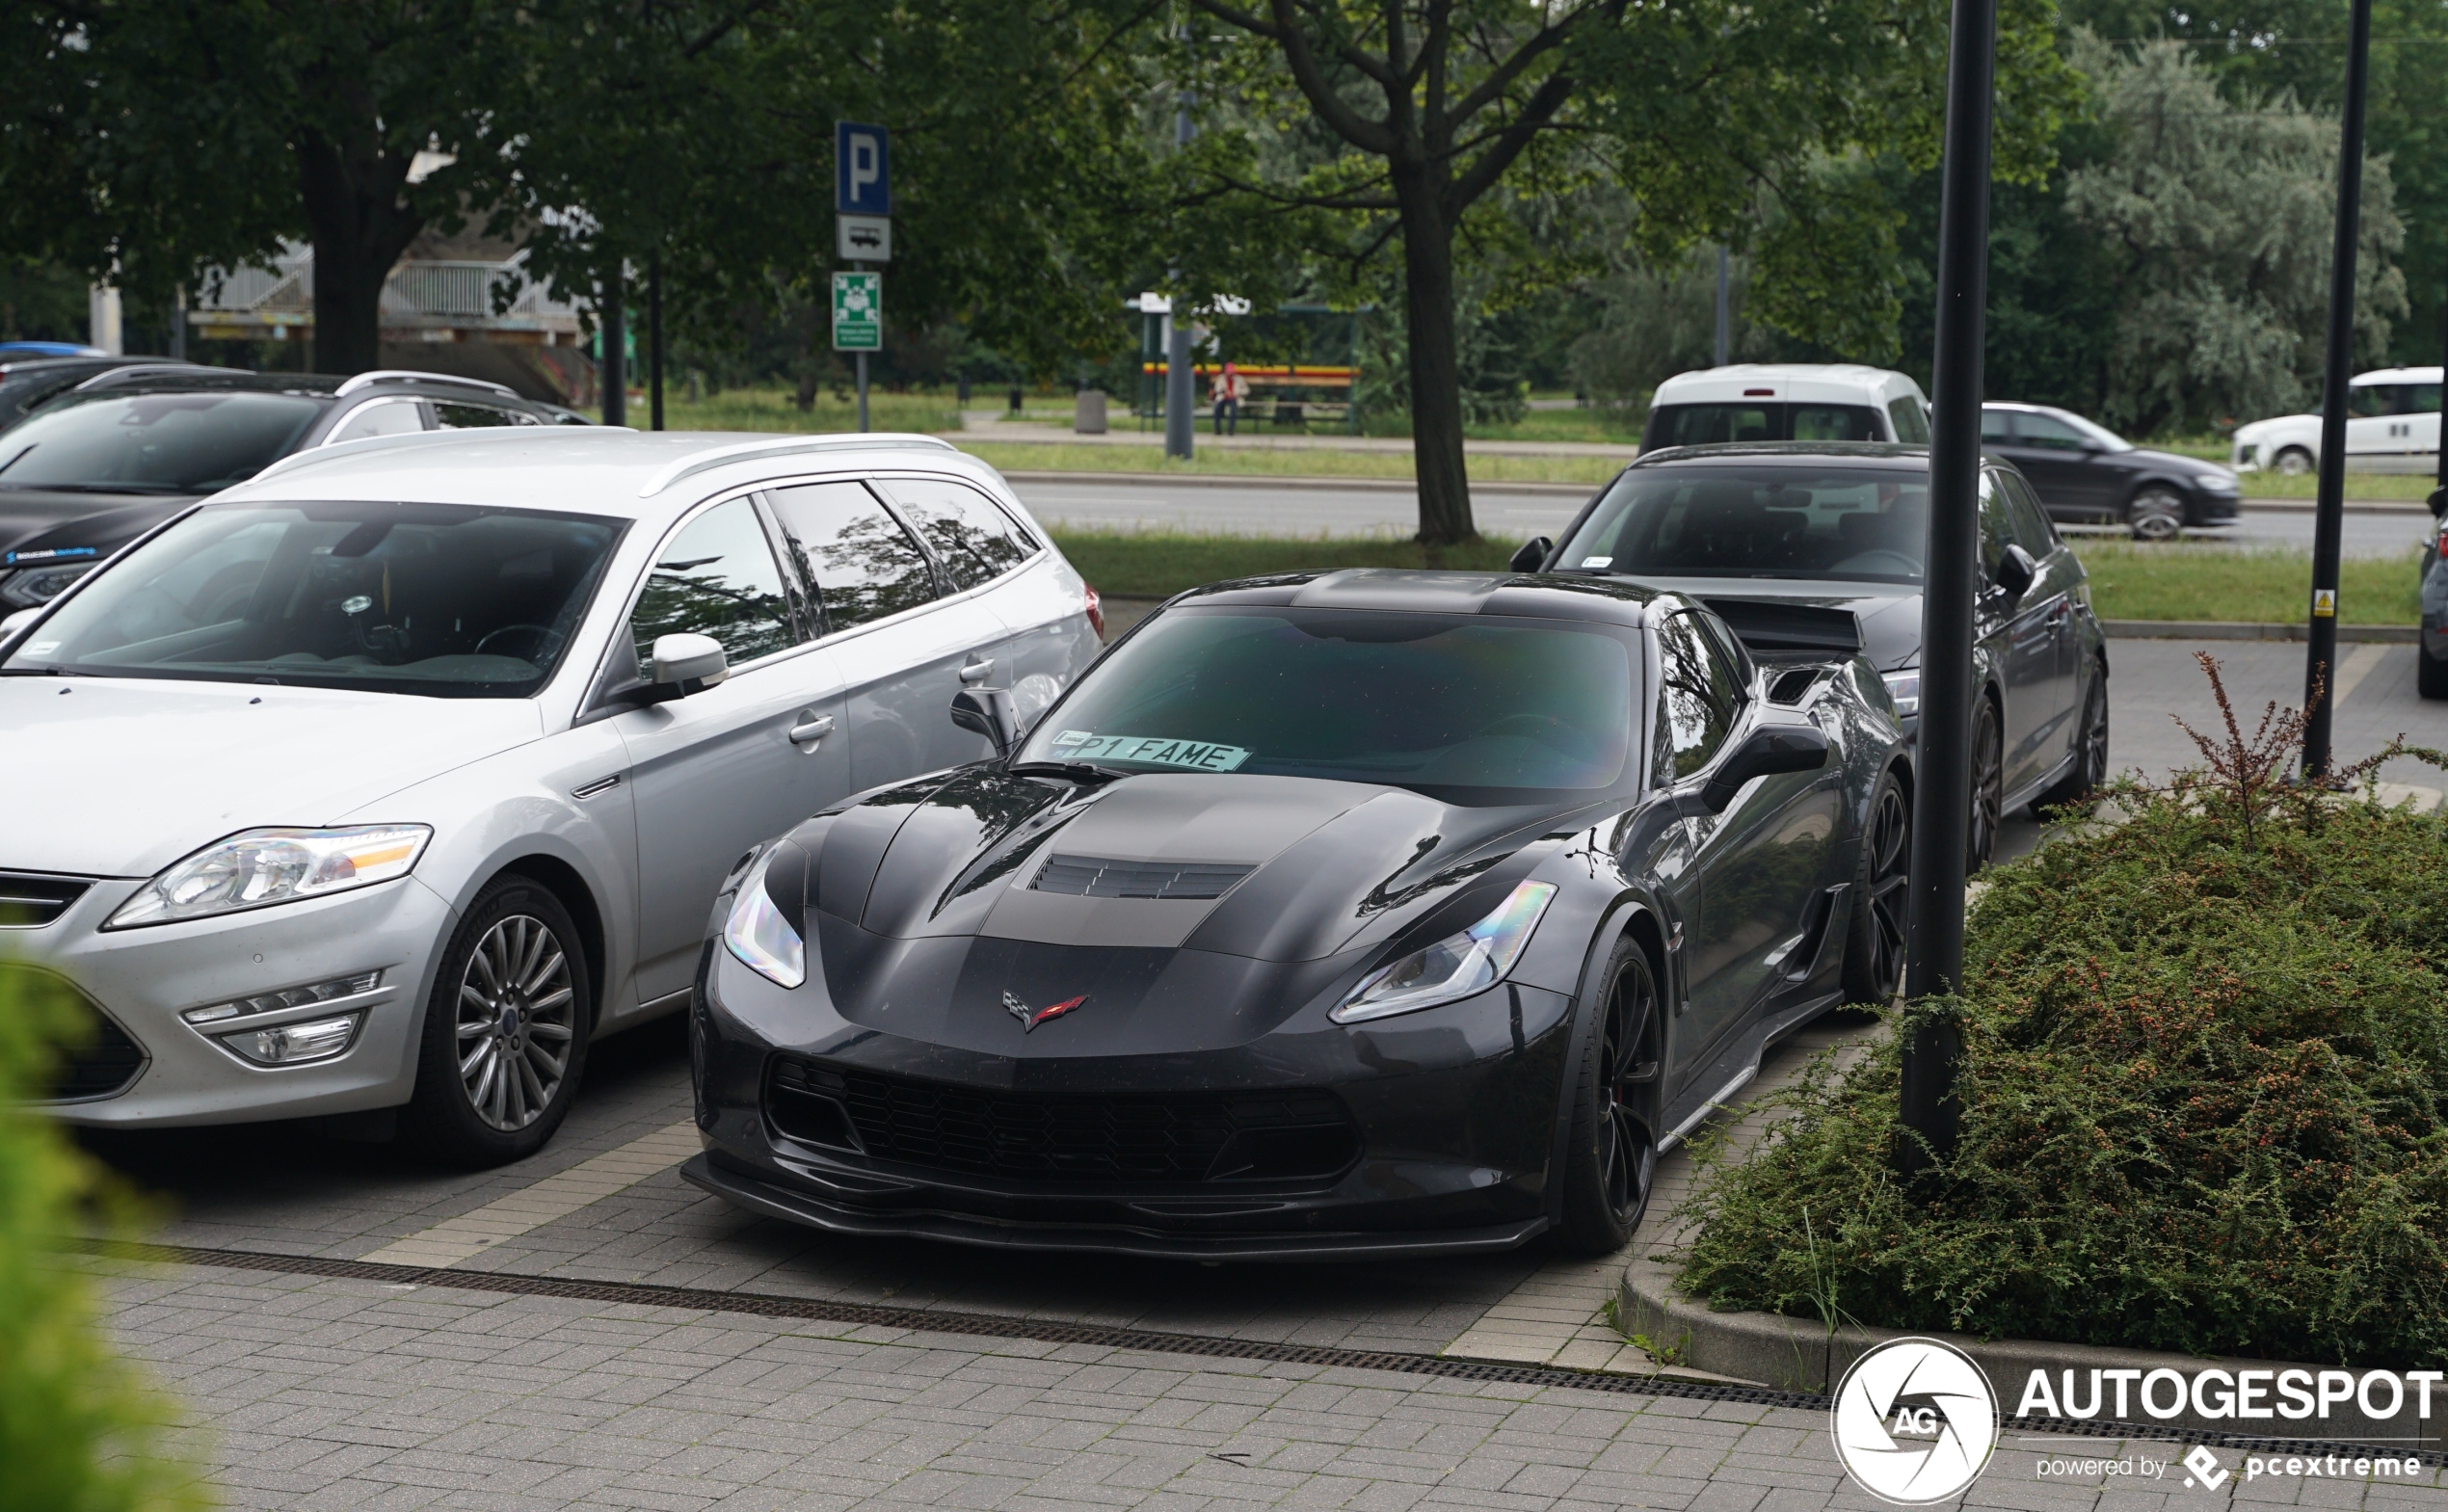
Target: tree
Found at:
x=154, y=139
x=1439, y=111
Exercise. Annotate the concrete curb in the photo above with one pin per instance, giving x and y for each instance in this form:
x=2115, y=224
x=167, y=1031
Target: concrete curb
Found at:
x=1799, y=1354
x=2353, y=506
x=2246, y=630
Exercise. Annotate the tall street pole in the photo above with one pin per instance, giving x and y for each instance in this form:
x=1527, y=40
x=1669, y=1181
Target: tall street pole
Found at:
x=611, y=324
x=2328, y=513
x=654, y=343
x=1181, y=391
x=1725, y=307
x=1942, y=792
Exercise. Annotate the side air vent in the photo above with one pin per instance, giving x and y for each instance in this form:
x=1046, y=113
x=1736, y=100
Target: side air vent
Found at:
x=30, y=901
x=1790, y=687
x=1086, y=877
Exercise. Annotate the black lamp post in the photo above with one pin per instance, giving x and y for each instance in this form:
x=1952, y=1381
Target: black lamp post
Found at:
x=2329, y=516
x=1942, y=792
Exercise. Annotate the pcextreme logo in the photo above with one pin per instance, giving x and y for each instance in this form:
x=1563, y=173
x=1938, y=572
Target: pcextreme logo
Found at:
x=1914, y=1422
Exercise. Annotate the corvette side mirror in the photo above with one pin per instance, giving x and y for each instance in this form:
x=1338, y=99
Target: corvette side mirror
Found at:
x=987, y=712
x=1769, y=750
x=2016, y=571
x=1532, y=555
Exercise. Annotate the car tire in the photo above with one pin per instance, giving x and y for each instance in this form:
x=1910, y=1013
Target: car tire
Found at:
x=1613, y=1160
x=2156, y=514
x=2294, y=462
x=1988, y=787
x=2431, y=673
x=2090, y=747
x=1874, y=970
x=512, y=988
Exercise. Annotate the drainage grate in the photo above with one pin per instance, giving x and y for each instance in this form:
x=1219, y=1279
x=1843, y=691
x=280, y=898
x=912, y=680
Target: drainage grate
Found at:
x=979, y=1325
x=1087, y=877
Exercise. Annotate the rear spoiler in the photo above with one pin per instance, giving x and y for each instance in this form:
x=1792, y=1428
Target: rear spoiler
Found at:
x=1769, y=625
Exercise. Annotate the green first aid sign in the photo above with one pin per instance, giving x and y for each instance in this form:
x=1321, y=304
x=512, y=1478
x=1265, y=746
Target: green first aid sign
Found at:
x=857, y=312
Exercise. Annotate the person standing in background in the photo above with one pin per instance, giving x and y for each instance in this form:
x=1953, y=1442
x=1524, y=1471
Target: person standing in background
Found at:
x=1231, y=388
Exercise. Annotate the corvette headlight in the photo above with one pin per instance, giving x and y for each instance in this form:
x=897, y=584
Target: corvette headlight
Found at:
x=1453, y=967
x=262, y=868
x=33, y=587
x=757, y=933
x=1905, y=687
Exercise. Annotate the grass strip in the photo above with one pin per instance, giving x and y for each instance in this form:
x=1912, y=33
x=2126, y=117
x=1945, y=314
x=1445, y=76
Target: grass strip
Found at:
x=2128, y=582
x=1308, y=461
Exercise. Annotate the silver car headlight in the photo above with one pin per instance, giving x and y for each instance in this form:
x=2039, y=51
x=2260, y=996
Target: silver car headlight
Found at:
x=757, y=933
x=1453, y=967
x=262, y=867
x=1904, y=688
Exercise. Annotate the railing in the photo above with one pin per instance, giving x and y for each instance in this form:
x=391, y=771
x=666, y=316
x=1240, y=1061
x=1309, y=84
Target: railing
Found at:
x=453, y=293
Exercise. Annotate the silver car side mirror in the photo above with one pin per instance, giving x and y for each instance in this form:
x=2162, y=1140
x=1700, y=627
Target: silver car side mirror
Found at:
x=681, y=658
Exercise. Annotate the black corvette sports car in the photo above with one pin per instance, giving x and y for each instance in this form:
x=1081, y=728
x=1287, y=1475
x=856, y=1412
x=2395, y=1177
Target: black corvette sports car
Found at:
x=1327, y=914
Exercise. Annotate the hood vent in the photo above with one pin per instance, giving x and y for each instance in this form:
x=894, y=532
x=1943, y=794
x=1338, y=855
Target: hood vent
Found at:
x=1087, y=877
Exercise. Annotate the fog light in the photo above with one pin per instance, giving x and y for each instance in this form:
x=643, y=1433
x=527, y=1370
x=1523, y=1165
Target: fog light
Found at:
x=290, y=1044
x=287, y=997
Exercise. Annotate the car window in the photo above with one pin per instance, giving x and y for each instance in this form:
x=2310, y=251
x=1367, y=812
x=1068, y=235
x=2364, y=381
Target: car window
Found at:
x=2366, y=400
x=381, y=417
x=2026, y=521
x=1694, y=711
x=475, y=416
x=1704, y=424
x=1996, y=427
x=1764, y=517
x=716, y=577
x=852, y=553
x=975, y=540
x=2048, y=432
x=1997, y=529
x=1912, y=422
x=1833, y=422
x=162, y=444
x=2419, y=399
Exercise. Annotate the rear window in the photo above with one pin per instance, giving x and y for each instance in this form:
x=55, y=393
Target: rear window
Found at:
x=1711, y=424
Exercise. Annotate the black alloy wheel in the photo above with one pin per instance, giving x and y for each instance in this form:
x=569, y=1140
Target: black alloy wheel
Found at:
x=505, y=1035
x=1613, y=1159
x=2090, y=747
x=1882, y=898
x=1988, y=787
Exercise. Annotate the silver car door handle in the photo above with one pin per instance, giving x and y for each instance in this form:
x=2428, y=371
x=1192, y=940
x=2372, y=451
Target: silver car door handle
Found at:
x=978, y=671
x=811, y=730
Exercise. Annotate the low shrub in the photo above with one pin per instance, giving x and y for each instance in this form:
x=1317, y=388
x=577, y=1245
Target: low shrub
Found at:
x=78, y=1432
x=2204, y=1072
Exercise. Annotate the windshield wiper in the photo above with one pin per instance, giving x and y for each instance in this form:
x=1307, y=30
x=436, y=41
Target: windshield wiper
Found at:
x=1076, y=771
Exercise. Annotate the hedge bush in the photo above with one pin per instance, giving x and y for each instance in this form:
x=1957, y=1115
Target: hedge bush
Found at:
x=78, y=1432
x=2204, y=1072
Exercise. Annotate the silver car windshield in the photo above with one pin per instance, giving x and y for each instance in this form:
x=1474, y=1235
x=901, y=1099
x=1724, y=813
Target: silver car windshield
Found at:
x=1757, y=519
x=440, y=600
x=155, y=443
x=1469, y=708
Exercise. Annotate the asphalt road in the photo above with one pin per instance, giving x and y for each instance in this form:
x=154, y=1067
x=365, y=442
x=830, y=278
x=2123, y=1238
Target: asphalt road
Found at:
x=1261, y=509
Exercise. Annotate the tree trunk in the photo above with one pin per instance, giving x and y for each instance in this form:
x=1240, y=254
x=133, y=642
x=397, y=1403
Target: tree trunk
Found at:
x=353, y=208
x=1436, y=367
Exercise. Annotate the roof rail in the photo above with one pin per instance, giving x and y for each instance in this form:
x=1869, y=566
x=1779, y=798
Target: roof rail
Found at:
x=360, y=380
x=706, y=460
x=134, y=372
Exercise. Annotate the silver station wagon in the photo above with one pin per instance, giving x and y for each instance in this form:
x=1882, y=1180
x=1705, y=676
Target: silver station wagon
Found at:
x=392, y=777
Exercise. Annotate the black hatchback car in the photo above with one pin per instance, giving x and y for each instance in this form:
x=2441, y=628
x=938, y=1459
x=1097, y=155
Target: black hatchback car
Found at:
x=2086, y=474
x=89, y=470
x=1818, y=546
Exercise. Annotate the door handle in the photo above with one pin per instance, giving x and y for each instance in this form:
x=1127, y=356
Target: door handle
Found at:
x=978, y=671
x=808, y=732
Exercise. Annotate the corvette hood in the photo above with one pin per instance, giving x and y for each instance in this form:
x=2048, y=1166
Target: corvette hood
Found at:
x=45, y=520
x=121, y=776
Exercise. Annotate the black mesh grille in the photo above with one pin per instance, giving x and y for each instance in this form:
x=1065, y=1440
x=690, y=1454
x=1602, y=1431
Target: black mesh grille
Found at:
x=1193, y=1137
x=97, y=1057
x=28, y=900
x=1087, y=877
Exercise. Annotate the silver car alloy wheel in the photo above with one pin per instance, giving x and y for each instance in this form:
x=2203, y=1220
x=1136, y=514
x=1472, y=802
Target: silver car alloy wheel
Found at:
x=514, y=1005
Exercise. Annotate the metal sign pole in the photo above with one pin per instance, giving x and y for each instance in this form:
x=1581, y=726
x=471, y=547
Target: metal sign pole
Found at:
x=2328, y=514
x=654, y=342
x=1942, y=795
x=861, y=267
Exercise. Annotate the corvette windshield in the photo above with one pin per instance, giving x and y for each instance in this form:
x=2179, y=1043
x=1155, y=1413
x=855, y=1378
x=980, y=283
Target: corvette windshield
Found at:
x=1763, y=520
x=1468, y=706
x=441, y=599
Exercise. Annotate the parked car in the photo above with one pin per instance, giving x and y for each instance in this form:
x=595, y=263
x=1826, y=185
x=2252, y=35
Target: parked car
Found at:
x=1819, y=547
x=2086, y=474
x=393, y=777
x=28, y=377
x=94, y=468
x=2431, y=657
x=2392, y=425
x=1329, y=914
x=1786, y=402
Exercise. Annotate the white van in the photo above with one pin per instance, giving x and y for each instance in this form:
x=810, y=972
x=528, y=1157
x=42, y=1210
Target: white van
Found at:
x=2392, y=425
x=1786, y=402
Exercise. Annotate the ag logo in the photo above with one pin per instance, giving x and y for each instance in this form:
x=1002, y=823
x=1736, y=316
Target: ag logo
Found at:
x=1914, y=1422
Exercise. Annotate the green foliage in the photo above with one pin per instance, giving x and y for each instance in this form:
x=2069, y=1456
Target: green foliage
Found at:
x=2204, y=1076
x=78, y=1433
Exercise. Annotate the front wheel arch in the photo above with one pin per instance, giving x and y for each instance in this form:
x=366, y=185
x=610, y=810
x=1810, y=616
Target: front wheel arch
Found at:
x=1633, y=916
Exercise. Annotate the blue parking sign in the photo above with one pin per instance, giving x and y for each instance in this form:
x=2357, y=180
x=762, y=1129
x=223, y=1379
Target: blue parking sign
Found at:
x=862, y=169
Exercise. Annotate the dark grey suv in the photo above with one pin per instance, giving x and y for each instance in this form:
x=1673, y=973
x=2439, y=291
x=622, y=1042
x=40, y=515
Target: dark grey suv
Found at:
x=88, y=471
